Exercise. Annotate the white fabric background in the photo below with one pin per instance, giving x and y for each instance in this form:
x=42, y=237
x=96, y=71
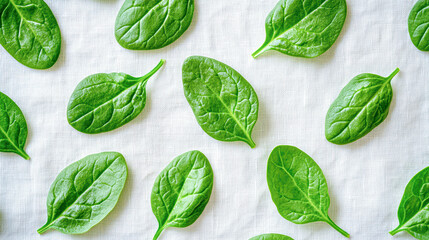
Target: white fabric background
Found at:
x=366, y=179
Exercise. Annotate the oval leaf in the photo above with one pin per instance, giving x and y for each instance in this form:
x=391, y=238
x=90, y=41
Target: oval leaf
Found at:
x=103, y=102
x=413, y=212
x=182, y=191
x=147, y=24
x=298, y=187
x=303, y=28
x=361, y=106
x=224, y=103
x=271, y=236
x=30, y=32
x=85, y=192
x=13, y=127
x=418, y=25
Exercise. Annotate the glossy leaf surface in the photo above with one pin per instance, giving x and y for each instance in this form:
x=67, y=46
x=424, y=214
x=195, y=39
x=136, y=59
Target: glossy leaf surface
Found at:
x=418, y=25
x=85, y=192
x=361, y=106
x=182, y=191
x=30, y=32
x=413, y=212
x=298, y=187
x=103, y=102
x=13, y=127
x=271, y=236
x=303, y=28
x=224, y=103
x=152, y=24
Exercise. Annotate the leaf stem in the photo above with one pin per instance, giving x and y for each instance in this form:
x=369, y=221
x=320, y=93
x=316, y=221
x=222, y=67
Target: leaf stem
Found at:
x=44, y=228
x=335, y=226
x=391, y=76
x=153, y=71
x=158, y=232
x=396, y=230
x=259, y=51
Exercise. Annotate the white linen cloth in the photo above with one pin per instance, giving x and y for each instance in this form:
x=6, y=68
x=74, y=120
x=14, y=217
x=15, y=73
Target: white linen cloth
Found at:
x=366, y=179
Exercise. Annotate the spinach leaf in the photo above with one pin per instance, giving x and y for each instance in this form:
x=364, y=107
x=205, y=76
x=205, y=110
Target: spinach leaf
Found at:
x=103, y=102
x=303, y=28
x=182, y=191
x=413, y=212
x=152, y=24
x=361, y=106
x=85, y=192
x=418, y=25
x=298, y=187
x=224, y=103
x=30, y=32
x=271, y=236
x=13, y=127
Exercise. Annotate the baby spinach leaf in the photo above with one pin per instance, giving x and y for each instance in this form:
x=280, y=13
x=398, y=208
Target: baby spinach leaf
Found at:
x=298, y=187
x=361, y=106
x=413, y=212
x=224, y=103
x=85, y=192
x=271, y=236
x=13, y=127
x=303, y=28
x=30, y=32
x=182, y=191
x=152, y=24
x=103, y=102
x=418, y=25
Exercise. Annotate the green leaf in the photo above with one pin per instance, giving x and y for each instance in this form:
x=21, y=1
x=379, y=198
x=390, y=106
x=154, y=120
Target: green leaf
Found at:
x=303, y=28
x=413, y=212
x=30, y=32
x=418, y=25
x=13, y=127
x=298, y=187
x=271, y=236
x=182, y=191
x=224, y=103
x=152, y=24
x=85, y=192
x=103, y=102
x=361, y=106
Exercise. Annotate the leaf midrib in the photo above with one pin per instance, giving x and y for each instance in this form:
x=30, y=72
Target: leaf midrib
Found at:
x=425, y=208
x=178, y=196
x=109, y=100
x=285, y=31
x=10, y=140
x=144, y=15
x=249, y=139
x=325, y=218
x=387, y=81
x=31, y=28
x=74, y=202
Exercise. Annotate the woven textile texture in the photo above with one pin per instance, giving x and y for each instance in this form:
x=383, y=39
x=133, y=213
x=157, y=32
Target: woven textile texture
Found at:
x=366, y=179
